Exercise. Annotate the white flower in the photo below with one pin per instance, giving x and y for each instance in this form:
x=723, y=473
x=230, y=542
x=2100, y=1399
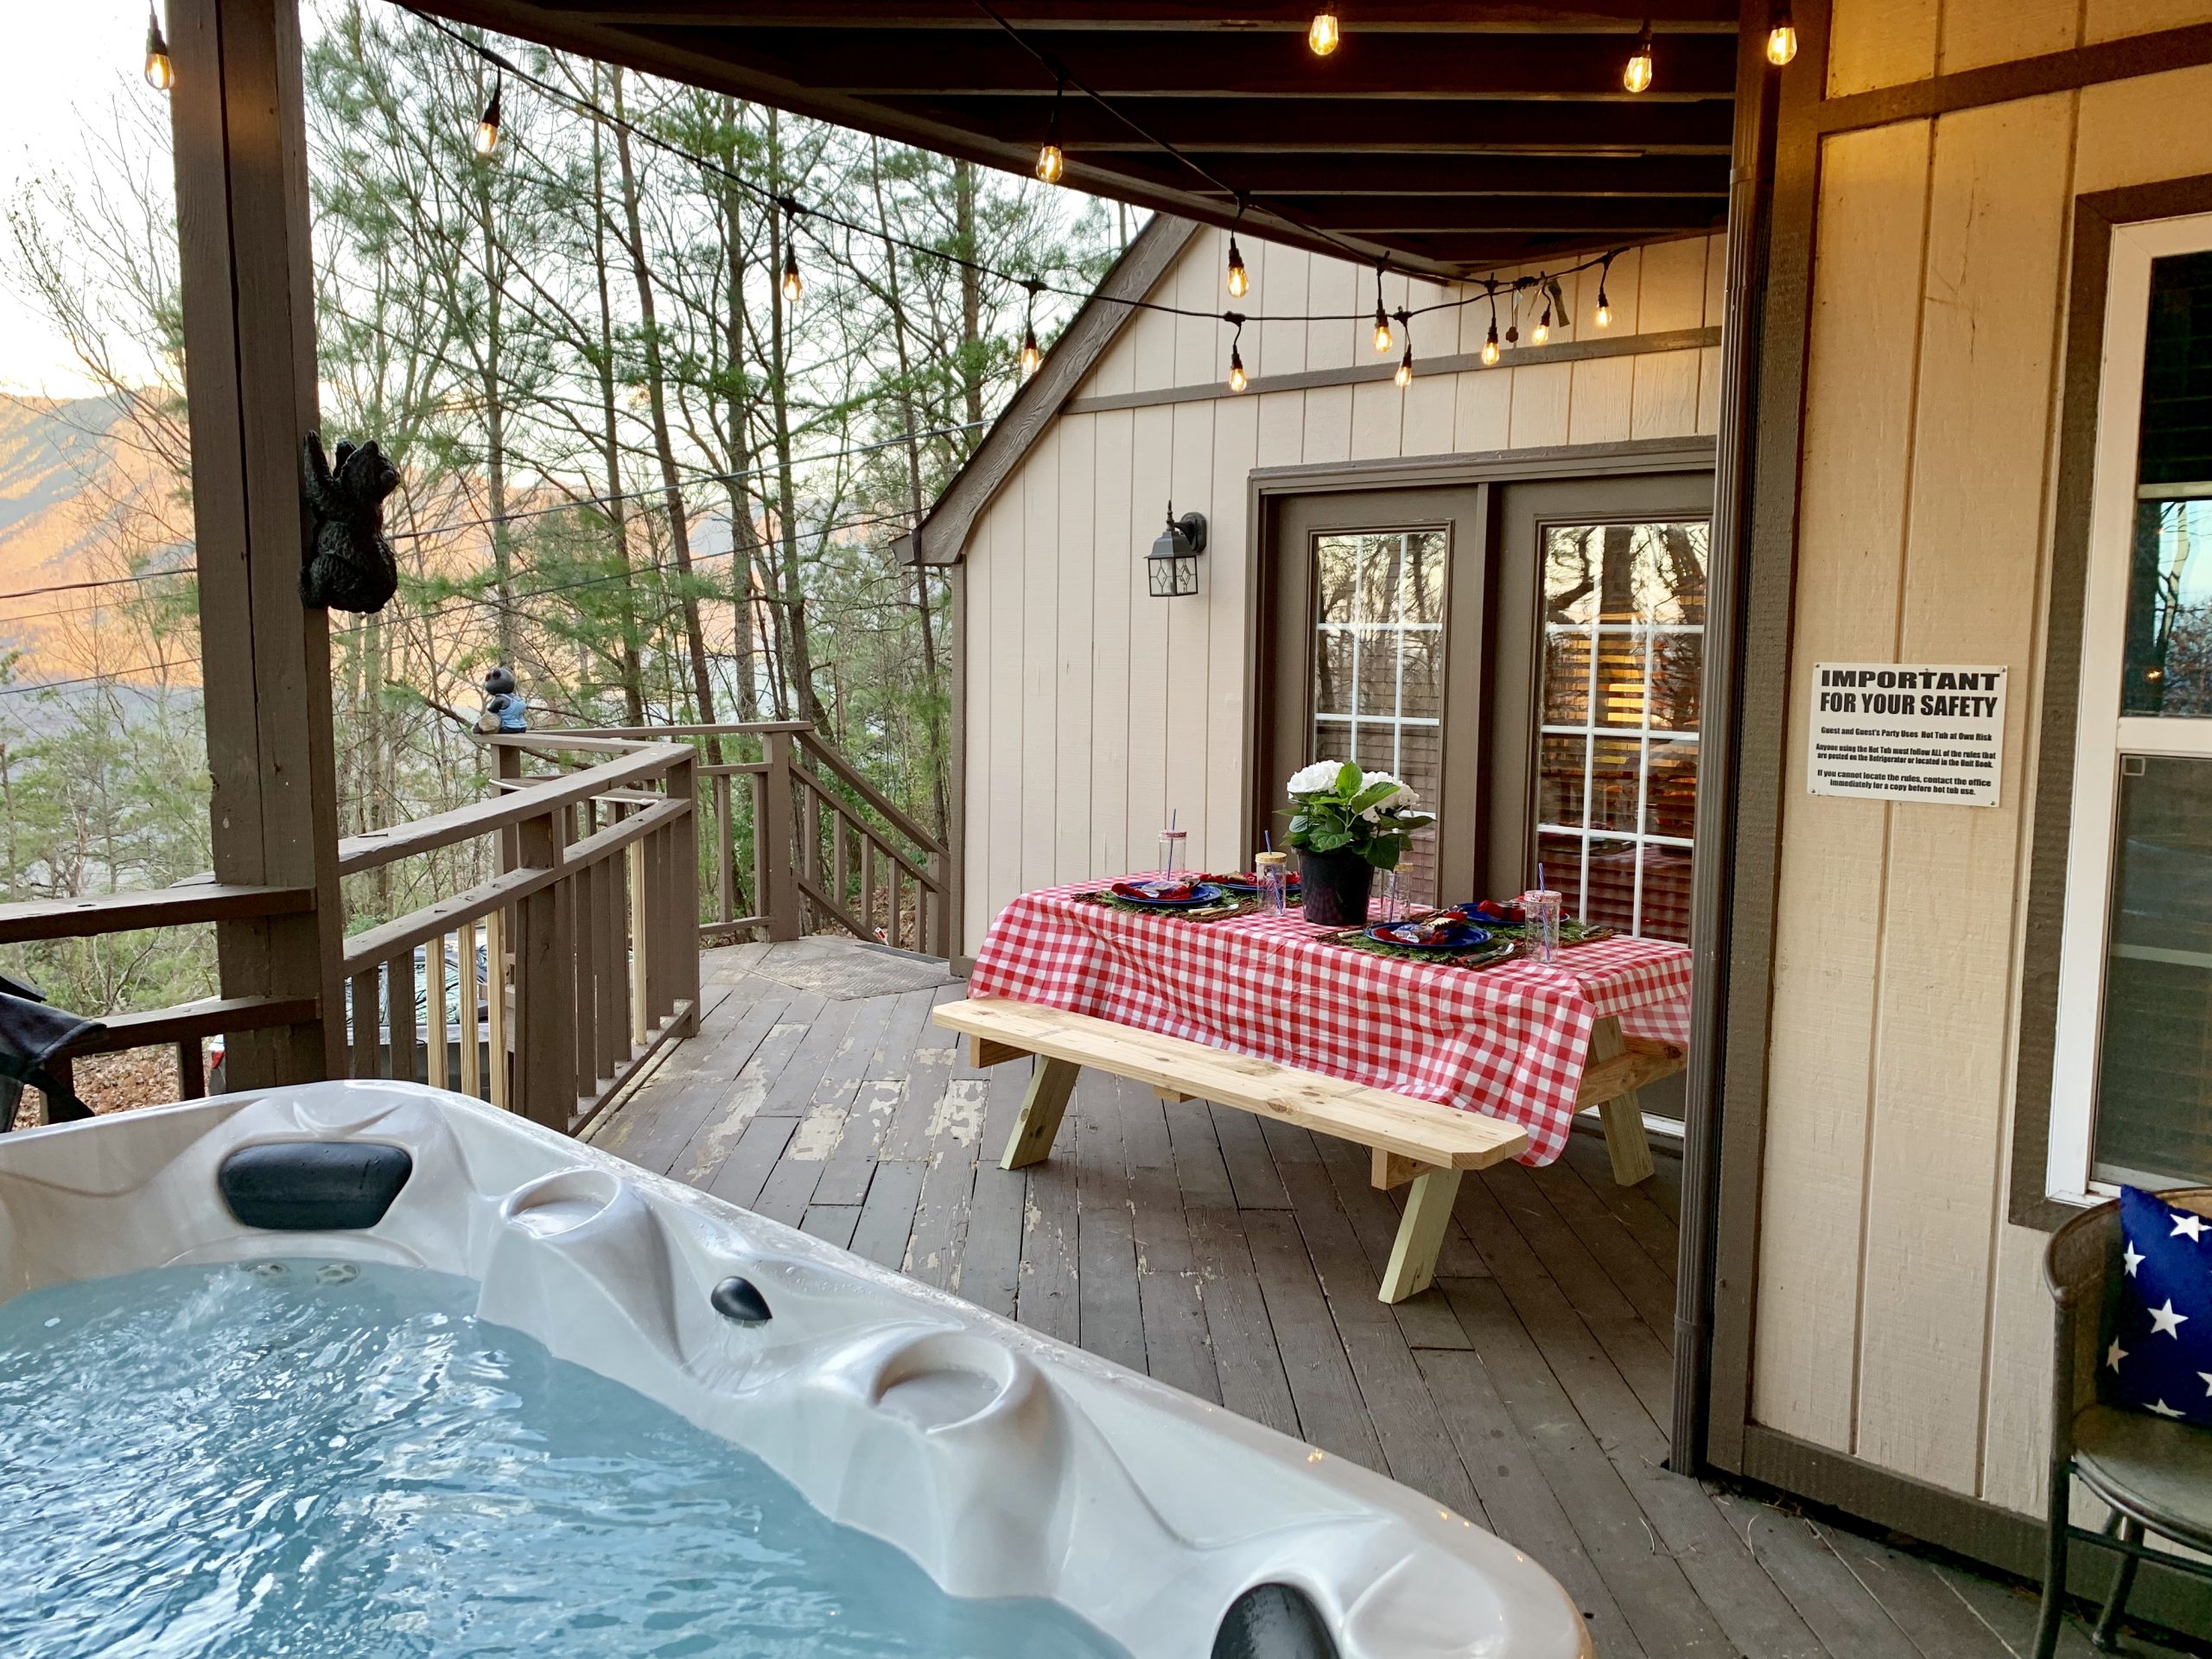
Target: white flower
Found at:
x=1316, y=778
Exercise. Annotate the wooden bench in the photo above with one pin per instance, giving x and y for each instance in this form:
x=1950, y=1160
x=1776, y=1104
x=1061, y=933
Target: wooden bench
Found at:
x=1412, y=1140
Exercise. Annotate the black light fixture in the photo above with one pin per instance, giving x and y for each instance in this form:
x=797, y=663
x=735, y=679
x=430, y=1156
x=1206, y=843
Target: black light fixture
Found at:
x=1171, y=568
x=1052, y=160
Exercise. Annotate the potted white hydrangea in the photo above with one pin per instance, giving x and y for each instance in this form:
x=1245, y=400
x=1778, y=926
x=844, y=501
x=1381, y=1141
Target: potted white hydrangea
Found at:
x=1346, y=824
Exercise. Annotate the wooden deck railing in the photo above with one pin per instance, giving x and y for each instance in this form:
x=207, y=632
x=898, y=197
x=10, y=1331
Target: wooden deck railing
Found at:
x=546, y=988
x=587, y=933
x=801, y=841
x=186, y=1027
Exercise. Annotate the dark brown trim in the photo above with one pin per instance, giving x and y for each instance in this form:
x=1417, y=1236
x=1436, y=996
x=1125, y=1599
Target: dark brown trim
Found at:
x=1573, y=351
x=2000, y=1538
x=2094, y=218
x=942, y=536
x=1766, y=595
x=955, y=803
x=1483, y=465
x=1711, y=888
x=2002, y=83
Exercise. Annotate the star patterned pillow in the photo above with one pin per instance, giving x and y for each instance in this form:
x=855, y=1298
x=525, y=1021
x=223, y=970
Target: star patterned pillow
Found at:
x=2158, y=1357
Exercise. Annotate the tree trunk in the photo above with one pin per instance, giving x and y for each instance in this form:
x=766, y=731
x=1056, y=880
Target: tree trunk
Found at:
x=679, y=533
x=798, y=659
x=633, y=668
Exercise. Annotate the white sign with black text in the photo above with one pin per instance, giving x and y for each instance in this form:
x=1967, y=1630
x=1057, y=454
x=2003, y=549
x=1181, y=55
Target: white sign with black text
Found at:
x=1886, y=732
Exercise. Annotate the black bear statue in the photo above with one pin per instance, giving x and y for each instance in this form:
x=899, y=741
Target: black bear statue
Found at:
x=349, y=565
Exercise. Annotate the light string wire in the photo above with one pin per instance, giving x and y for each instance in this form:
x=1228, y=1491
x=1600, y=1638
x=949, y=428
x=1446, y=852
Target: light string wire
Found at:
x=801, y=214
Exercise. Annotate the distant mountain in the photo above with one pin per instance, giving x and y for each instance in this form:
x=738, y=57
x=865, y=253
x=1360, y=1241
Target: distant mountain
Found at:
x=74, y=495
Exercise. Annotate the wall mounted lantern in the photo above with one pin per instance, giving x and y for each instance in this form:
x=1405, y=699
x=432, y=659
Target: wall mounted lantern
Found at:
x=1173, y=566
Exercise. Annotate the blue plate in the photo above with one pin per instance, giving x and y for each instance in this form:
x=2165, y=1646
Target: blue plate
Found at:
x=1459, y=936
x=1203, y=893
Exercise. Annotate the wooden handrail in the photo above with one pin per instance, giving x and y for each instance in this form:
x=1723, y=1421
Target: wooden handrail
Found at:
x=868, y=792
x=123, y=913
x=380, y=847
x=190, y=1022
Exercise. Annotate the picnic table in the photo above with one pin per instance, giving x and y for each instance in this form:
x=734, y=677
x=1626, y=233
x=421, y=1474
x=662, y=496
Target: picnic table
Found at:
x=1437, y=1067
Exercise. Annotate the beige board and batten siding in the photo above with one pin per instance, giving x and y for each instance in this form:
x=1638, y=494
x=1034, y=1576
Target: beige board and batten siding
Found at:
x=1900, y=1317
x=1094, y=711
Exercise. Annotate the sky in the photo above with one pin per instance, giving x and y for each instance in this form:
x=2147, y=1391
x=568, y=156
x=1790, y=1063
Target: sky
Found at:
x=82, y=52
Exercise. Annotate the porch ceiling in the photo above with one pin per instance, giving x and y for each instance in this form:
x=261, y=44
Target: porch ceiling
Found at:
x=1449, y=136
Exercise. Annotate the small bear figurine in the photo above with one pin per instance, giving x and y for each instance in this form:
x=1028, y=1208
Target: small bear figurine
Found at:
x=503, y=709
x=349, y=566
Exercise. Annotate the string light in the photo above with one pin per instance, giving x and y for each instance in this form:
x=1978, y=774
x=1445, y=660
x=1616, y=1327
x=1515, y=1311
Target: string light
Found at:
x=1637, y=76
x=1031, y=356
x=1404, y=377
x=1490, y=341
x=1781, y=38
x=792, y=286
x=1382, y=316
x=1542, y=331
x=161, y=73
x=1052, y=160
x=1604, y=305
x=1324, y=32
x=487, y=124
x=1238, y=281
x=1237, y=381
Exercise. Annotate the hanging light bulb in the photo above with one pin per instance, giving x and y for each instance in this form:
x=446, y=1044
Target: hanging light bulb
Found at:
x=1237, y=381
x=1637, y=76
x=1604, y=308
x=1490, y=346
x=1324, y=33
x=1542, y=331
x=1031, y=356
x=1052, y=160
x=792, y=286
x=487, y=124
x=1781, y=38
x=1405, y=374
x=1382, y=329
x=1239, y=283
x=161, y=73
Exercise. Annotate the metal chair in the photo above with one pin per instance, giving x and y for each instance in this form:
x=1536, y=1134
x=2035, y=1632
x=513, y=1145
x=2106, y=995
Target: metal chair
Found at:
x=2154, y=1473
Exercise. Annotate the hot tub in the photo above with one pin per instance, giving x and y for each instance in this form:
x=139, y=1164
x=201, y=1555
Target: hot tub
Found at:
x=1004, y=1465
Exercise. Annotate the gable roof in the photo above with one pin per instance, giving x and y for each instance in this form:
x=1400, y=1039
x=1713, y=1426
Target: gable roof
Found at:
x=942, y=536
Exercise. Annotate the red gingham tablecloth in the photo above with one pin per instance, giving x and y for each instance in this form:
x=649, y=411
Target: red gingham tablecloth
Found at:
x=1508, y=1040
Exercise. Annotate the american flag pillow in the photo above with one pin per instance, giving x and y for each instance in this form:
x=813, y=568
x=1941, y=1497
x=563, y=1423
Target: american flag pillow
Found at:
x=2159, y=1355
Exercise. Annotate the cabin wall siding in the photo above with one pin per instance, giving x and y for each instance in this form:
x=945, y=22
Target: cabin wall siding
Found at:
x=1108, y=709
x=1898, y=1316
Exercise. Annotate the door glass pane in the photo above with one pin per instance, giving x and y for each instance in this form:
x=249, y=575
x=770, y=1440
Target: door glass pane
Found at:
x=2168, y=665
x=2154, y=1083
x=1378, y=665
x=1616, y=782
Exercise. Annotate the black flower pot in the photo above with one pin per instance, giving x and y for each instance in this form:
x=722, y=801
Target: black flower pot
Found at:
x=1336, y=885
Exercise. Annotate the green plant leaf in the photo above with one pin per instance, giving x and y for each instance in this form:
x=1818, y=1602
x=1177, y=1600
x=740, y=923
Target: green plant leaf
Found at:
x=1382, y=852
x=1330, y=841
x=1348, y=779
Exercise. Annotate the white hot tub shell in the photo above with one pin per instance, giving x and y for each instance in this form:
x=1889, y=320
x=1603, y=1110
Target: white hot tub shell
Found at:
x=1006, y=1464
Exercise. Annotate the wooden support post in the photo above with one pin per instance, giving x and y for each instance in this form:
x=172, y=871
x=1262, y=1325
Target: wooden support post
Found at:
x=937, y=941
x=399, y=1015
x=366, y=1017
x=581, y=903
x=191, y=1069
x=1421, y=1235
x=684, y=897
x=1625, y=1141
x=1042, y=1108
x=247, y=271
x=545, y=997
x=778, y=897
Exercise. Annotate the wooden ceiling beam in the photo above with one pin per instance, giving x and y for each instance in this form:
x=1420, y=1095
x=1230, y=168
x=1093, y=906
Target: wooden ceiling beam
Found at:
x=1146, y=66
x=1398, y=16
x=1388, y=216
x=1406, y=175
x=1206, y=126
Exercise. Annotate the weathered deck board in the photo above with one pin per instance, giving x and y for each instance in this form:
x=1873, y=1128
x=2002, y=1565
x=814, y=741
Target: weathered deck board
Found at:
x=1238, y=1260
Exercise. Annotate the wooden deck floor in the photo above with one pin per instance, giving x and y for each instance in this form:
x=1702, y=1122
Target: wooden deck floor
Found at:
x=1239, y=1261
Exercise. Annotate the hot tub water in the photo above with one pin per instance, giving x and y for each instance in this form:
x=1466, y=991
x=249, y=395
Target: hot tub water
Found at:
x=327, y=1459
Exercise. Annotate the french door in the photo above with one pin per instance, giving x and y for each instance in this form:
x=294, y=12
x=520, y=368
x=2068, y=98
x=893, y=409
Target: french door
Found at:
x=1526, y=655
